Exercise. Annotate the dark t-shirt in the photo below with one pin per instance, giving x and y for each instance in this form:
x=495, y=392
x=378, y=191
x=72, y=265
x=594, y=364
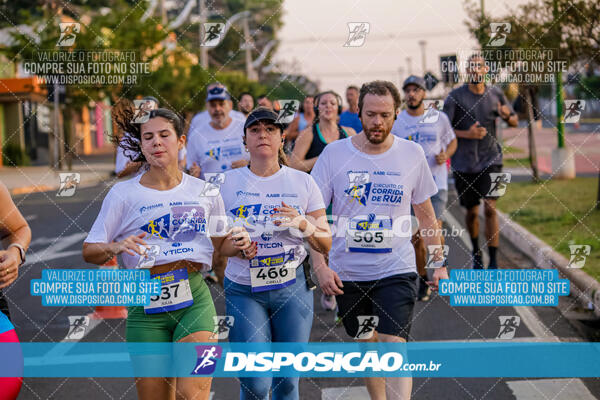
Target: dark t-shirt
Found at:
x=464, y=108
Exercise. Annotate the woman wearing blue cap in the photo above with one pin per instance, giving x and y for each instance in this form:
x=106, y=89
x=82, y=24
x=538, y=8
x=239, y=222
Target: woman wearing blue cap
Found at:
x=267, y=295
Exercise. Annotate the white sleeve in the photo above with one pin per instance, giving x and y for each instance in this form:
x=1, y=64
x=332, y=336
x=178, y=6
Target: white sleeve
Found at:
x=323, y=177
x=108, y=221
x=315, y=198
x=218, y=224
x=192, y=153
x=425, y=186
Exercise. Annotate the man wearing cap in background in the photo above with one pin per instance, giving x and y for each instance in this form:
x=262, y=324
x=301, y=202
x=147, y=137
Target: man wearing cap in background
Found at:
x=215, y=147
x=203, y=117
x=431, y=129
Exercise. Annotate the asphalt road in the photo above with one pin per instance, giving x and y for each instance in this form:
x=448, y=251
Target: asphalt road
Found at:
x=60, y=224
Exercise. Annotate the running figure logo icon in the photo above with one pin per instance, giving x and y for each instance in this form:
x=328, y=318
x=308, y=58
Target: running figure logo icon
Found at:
x=436, y=255
x=68, y=33
x=207, y=359
x=68, y=184
x=358, y=33
x=214, y=180
x=573, y=110
x=499, y=180
x=142, y=110
x=288, y=111
x=213, y=33
x=366, y=326
x=579, y=253
x=500, y=31
x=432, y=111
x=508, y=326
x=223, y=324
x=148, y=258
x=77, y=326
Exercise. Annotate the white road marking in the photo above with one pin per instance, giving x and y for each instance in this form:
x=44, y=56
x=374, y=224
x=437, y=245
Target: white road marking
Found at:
x=554, y=389
x=345, y=393
x=55, y=250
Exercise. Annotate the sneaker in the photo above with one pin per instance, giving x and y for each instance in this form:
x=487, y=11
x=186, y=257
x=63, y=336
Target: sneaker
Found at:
x=328, y=302
x=477, y=261
x=424, y=290
x=210, y=276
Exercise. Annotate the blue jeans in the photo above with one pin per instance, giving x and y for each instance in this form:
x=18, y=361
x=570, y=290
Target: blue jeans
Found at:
x=280, y=315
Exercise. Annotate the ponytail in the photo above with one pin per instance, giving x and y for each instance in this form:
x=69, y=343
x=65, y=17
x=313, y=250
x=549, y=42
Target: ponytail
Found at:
x=282, y=158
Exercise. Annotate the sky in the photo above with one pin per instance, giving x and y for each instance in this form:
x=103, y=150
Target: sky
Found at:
x=314, y=33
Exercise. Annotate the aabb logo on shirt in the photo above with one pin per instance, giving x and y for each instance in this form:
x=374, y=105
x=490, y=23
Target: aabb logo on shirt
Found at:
x=245, y=211
x=359, y=187
x=158, y=227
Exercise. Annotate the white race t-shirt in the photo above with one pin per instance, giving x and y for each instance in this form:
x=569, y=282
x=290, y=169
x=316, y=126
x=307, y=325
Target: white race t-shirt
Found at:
x=215, y=149
x=371, y=196
x=250, y=199
x=175, y=221
x=433, y=133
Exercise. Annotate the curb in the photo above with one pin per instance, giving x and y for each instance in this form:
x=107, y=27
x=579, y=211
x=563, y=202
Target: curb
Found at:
x=584, y=288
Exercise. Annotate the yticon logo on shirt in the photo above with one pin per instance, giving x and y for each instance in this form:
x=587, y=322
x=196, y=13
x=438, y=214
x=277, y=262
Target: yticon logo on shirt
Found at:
x=245, y=211
x=207, y=359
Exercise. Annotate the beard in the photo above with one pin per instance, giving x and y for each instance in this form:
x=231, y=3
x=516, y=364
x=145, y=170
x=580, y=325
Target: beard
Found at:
x=415, y=106
x=377, y=140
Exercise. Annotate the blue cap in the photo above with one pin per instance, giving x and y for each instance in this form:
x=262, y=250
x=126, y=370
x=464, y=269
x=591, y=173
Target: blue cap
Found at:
x=414, y=80
x=217, y=93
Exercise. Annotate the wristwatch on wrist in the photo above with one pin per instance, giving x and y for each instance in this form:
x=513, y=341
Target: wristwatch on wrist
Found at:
x=21, y=251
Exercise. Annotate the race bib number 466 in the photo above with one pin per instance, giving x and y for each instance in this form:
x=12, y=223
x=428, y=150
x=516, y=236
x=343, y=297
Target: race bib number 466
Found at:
x=271, y=272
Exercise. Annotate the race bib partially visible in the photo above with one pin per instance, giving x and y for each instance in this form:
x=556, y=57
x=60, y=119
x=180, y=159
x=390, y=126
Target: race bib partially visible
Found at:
x=273, y=272
x=369, y=234
x=175, y=292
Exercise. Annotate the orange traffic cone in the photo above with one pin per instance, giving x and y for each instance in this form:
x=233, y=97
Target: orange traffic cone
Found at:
x=109, y=312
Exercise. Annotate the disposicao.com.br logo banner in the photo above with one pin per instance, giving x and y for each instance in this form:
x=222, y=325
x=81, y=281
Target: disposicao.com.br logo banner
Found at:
x=425, y=359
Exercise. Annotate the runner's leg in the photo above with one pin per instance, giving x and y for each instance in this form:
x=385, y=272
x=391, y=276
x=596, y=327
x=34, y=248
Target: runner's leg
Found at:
x=194, y=388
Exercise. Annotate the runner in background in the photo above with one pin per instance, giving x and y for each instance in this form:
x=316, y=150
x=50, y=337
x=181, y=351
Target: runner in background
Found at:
x=264, y=101
x=215, y=147
x=432, y=131
x=203, y=117
x=137, y=220
x=349, y=117
x=302, y=121
x=372, y=179
x=472, y=110
x=268, y=295
x=311, y=142
x=324, y=130
x=15, y=235
x=245, y=103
